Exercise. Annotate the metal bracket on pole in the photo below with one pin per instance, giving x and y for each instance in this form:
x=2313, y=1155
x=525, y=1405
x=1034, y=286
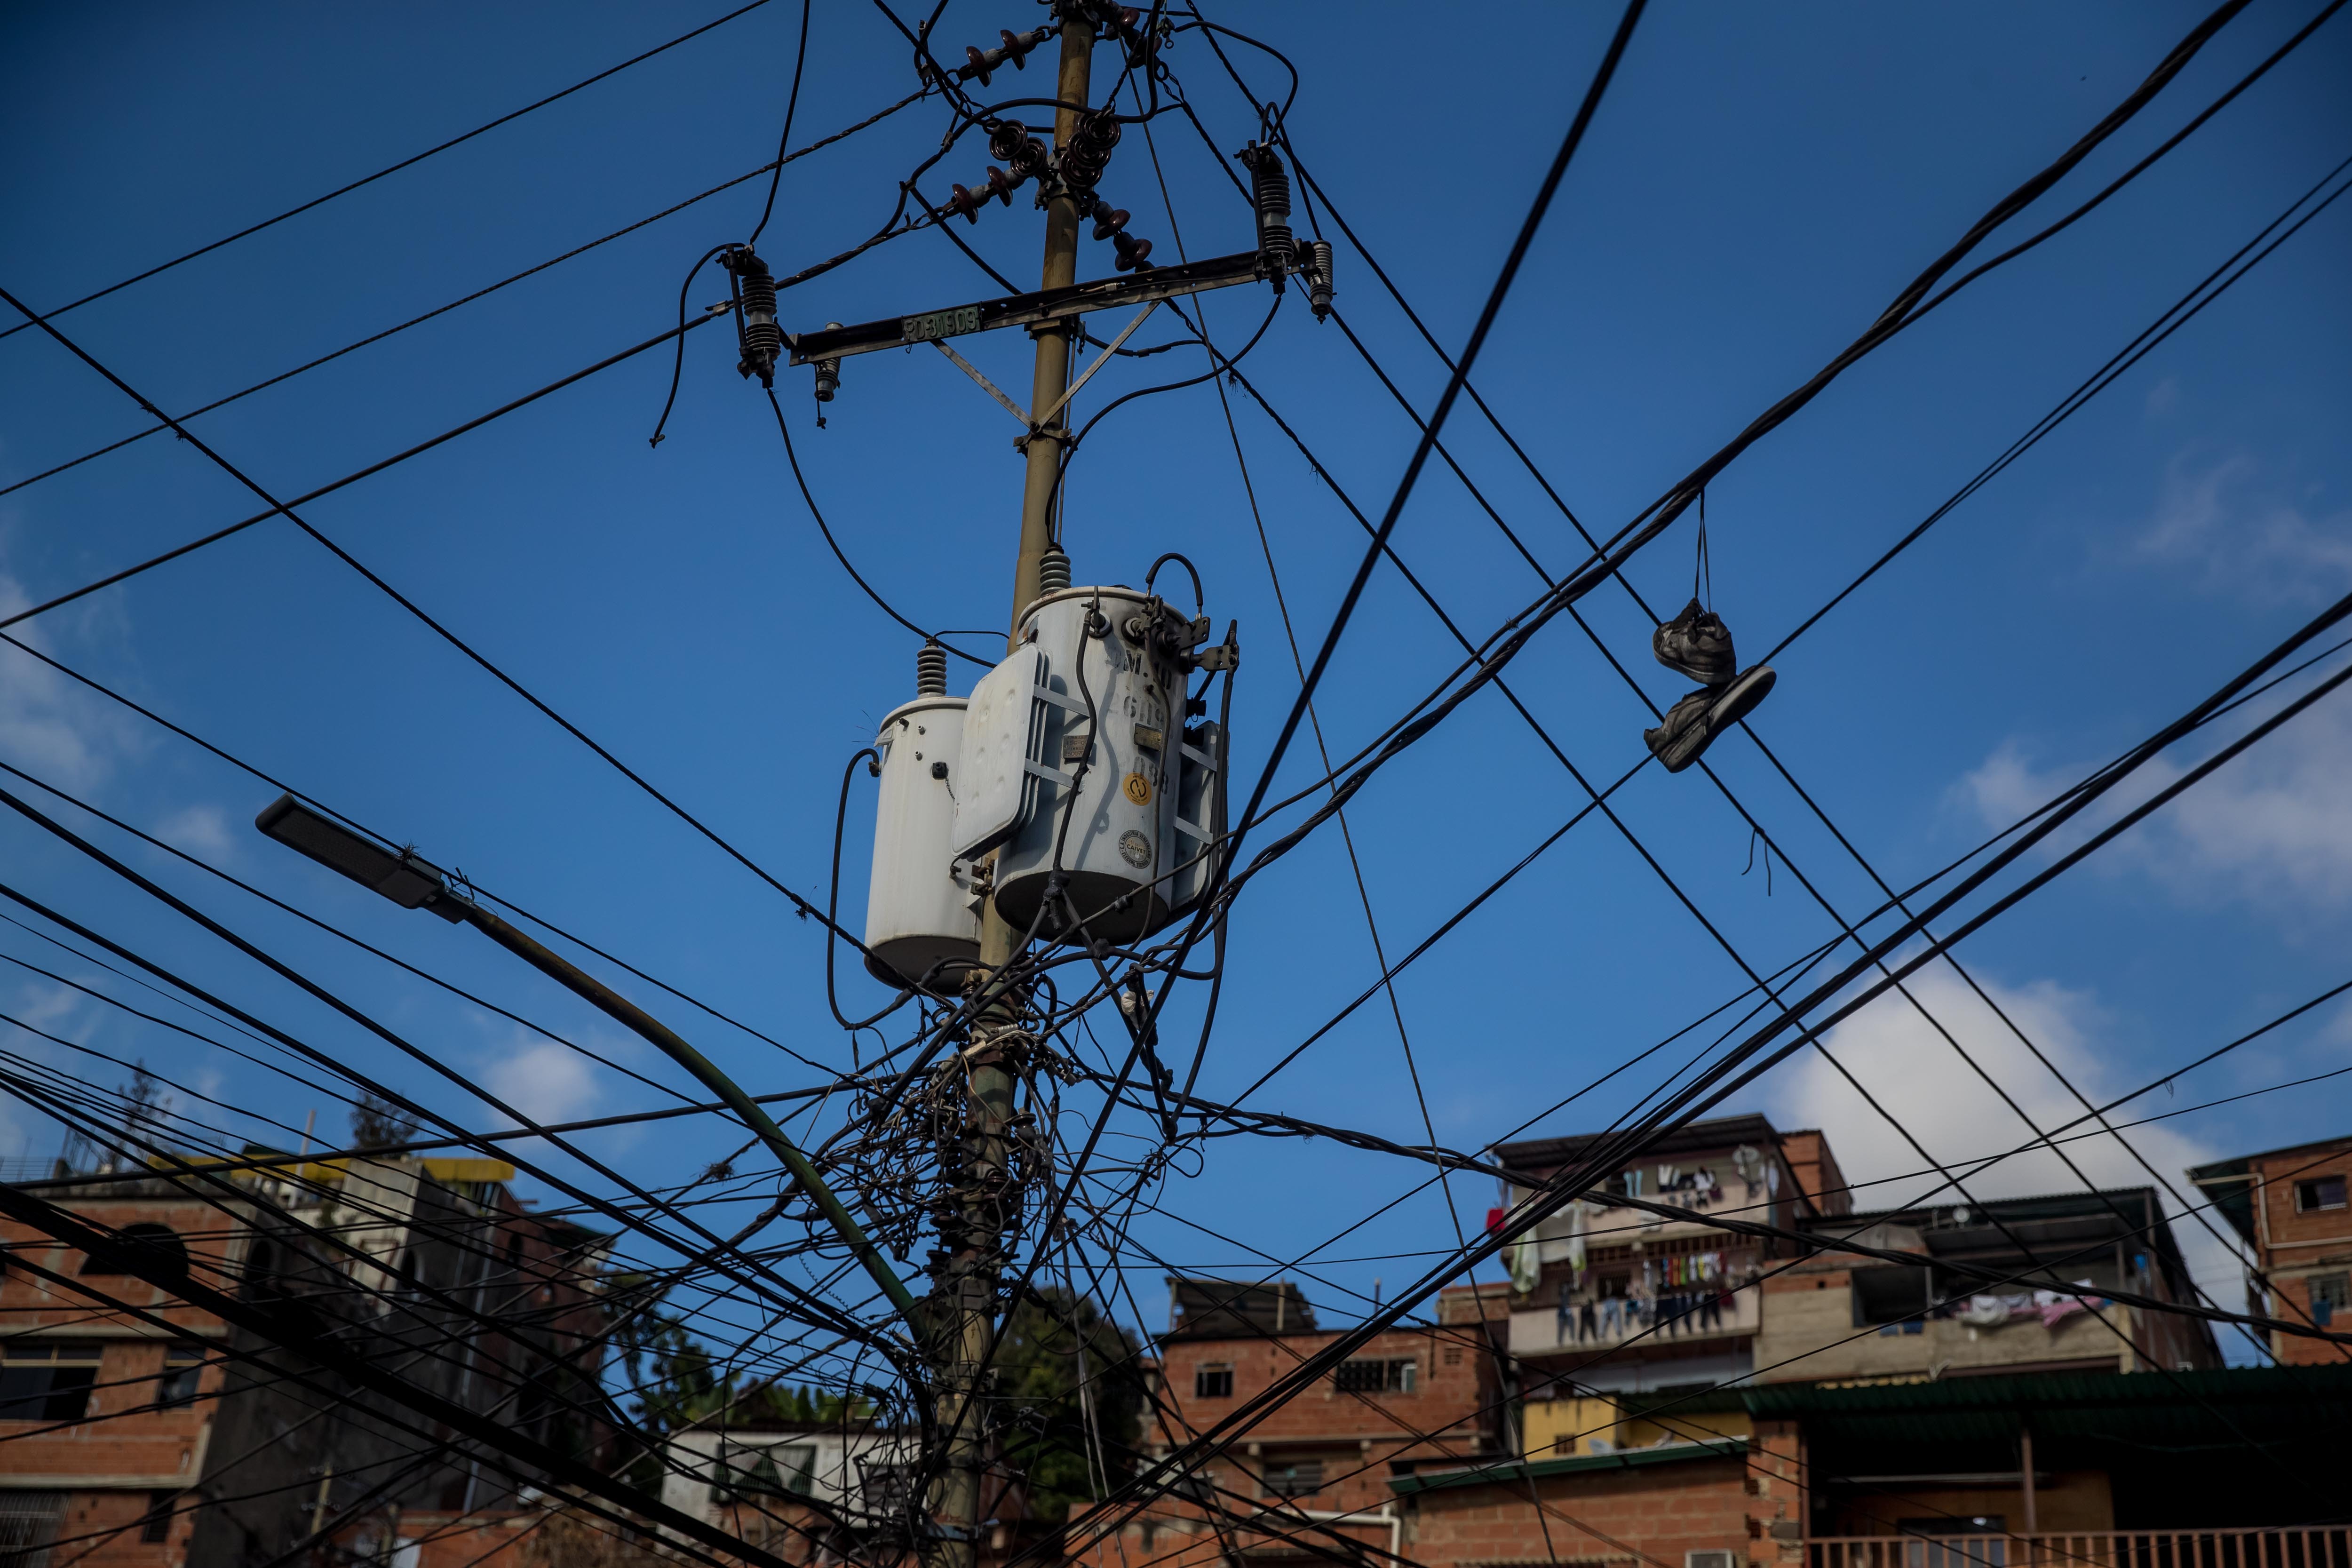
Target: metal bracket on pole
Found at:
x=1100, y=360
x=986, y=385
x=1042, y=420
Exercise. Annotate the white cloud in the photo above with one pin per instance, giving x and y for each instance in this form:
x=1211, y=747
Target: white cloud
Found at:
x=1913, y=1072
x=201, y=830
x=2273, y=826
x=45, y=1006
x=49, y=725
x=2226, y=521
x=545, y=1081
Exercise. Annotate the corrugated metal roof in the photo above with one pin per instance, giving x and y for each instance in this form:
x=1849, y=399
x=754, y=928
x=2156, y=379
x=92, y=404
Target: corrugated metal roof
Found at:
x=1540, y=1470
x=2168, y=1410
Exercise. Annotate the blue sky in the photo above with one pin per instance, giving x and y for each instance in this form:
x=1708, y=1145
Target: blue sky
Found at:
x=1756, y=185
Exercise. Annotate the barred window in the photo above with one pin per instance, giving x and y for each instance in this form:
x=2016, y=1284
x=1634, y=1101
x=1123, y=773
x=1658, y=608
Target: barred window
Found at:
x=1214, y=1381
x=28, y=1523
x=1394, y=1374
x=2319, y=1192
x=1301, y=1478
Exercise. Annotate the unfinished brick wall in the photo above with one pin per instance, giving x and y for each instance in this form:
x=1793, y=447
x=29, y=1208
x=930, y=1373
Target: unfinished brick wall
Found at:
x=1655, y=1515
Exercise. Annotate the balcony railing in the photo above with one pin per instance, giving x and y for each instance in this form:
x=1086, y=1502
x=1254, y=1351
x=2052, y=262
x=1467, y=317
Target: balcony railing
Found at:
x=2323, y=1547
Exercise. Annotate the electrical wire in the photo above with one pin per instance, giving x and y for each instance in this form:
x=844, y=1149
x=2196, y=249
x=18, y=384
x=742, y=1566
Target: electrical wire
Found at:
x=483, y=292
x=392, y=169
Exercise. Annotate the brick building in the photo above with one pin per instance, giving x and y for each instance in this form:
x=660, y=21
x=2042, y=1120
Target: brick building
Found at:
x=1317, y=1467
x=2290, y=1207
x=1715, y=1504
x=107, y=1421
x=134, y=1438
x=1619, y=1312
x=1839, y=1316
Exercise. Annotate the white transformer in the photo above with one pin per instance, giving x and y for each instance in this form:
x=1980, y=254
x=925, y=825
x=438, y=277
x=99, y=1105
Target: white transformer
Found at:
x=1076, y=756
x=922, y=920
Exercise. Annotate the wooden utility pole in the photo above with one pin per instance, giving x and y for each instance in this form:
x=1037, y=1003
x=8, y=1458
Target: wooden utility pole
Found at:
x=984, y=1199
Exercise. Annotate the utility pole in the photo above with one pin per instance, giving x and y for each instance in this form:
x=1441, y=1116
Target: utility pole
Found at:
x=982, y=1198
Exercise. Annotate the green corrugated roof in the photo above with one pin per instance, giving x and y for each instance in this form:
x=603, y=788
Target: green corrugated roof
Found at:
x=1538, y=1469
x=2147, y=1408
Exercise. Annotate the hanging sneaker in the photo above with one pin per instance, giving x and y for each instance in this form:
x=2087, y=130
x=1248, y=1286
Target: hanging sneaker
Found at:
x=1692, y=724
x=1698, y=644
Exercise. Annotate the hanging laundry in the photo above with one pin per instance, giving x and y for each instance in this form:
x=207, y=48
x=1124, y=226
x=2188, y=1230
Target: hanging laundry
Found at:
x=1525, y=1264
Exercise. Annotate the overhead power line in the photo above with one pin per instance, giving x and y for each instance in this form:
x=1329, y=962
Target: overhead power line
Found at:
x=412, y=160
x=801, y=906
x=485, y=292
x=275, y=508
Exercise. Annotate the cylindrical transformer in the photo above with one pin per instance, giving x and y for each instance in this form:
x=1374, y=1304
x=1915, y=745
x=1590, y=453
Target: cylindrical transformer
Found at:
x=1111, y=657
x=922, y=920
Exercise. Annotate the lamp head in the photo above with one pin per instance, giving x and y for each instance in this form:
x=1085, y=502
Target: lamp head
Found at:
x=405, y=876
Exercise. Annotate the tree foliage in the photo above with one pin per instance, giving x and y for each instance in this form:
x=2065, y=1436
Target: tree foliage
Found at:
x=1071, y=1400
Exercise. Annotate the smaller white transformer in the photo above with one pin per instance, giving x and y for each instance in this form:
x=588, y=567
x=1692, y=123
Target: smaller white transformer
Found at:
x=922, y=919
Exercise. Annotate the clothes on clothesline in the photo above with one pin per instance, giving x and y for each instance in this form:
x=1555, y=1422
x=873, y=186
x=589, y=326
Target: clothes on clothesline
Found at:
x=2053, y=1307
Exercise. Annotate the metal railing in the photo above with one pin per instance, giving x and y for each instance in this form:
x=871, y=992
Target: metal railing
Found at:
x=2328, y=1546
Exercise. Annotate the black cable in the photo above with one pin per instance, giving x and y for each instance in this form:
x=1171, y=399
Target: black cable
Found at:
x=799, y=905
x=283, y=787
x=1513, y=637
x=1613, y=1152
x=486, y=291
x=353, y=477
x=321, y=1058
x=832, y=899
x=510, y=1451
x=1374, y=551
x=792, y=456
x=792, y=106
x=379, y=174
x=1754, y=827
x=677, y=364
x=2130, y=354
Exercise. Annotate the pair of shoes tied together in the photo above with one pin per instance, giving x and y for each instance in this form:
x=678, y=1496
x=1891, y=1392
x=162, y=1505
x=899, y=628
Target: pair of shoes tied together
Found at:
x=1698, y=644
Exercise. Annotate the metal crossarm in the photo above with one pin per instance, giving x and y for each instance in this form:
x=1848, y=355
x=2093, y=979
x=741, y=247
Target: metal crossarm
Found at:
x=1028, y=309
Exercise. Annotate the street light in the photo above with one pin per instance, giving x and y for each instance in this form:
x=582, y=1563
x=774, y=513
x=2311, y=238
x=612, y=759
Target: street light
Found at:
x=406, y=879
x=412, y=882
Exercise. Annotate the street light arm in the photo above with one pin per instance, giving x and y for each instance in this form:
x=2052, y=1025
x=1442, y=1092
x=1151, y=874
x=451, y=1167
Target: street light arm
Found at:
x=753, y=1115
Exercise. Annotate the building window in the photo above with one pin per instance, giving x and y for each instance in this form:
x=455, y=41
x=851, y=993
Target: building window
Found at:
x=1890, y=1295
x=2329, y=1295
x=156, y=1526
x=142, y=1250
x=1214, y=1381
x=46, y=1380
x=183, y=1368
x=2319, y=1192
x=28, y=1523
x=1392, y=1375
x=1303, y=1479
x=755, y=1469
